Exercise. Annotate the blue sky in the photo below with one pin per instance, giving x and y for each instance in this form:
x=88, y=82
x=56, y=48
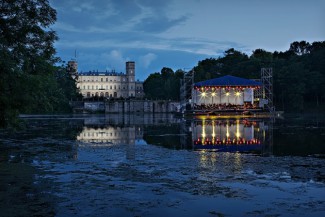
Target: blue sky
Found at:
x=178, y=33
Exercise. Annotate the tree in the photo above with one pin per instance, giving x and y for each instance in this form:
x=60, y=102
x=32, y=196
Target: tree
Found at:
x=166, y=73
x=207, y=69
x=24, y=26
x=262, y=55
x=300, y=48
x=153, y=86
x=164, y=85
x=29, y=80
x=298, y=74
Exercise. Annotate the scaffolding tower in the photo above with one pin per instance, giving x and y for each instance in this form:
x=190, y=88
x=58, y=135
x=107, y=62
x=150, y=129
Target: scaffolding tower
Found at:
x=267, y=81
x=186, y=89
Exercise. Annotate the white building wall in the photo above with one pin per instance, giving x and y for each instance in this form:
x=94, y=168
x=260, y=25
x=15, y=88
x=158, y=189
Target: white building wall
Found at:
x=110, y=85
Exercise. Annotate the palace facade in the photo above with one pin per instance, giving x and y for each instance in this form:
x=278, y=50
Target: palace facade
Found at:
x=108, y=84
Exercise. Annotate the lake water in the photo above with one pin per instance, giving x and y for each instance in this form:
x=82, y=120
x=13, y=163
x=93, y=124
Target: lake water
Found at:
x=133, y=165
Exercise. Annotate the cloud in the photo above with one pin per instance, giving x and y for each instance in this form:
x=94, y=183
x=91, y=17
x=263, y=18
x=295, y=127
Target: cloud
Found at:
x=112, y=16
x=85, y=6
x=118, y=41
x=147, y=59
x=157, y=24
x=101, y=60
x=114, y=60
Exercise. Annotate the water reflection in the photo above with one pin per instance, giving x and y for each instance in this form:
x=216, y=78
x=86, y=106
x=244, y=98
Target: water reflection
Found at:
x=44, y=171
x=120, y=129
x=230, y=135
x=111, y=134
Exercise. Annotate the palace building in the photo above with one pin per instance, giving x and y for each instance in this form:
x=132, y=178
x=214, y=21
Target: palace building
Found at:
x=108, y=84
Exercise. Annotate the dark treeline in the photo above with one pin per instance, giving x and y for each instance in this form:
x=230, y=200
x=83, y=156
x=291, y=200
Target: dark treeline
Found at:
x=299, y=74
x=30, y=80
x=163, y=85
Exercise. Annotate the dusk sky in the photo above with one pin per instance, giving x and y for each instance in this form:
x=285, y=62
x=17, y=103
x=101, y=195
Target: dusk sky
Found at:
x=178, y=33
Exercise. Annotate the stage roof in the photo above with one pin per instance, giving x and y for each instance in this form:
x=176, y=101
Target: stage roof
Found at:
x=228, y=80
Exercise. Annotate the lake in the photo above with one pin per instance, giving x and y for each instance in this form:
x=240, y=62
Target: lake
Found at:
x=160, y=165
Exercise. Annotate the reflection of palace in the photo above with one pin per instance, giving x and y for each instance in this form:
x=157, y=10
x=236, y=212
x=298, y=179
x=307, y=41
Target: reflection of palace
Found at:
x=119, y=129
x=111, y=135
x=229, y=135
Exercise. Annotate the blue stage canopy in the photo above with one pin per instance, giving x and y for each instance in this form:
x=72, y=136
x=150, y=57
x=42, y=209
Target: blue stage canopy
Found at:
x=227, y=81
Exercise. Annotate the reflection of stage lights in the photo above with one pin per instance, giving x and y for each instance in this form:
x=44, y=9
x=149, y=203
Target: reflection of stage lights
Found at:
x=229, y=141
